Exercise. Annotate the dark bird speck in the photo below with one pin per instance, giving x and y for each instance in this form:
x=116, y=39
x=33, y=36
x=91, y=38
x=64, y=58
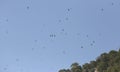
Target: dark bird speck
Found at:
x=68, y=9
x=81, y=46
x=87, y=36
x=64, y=52
x=66, y=33
x=5, y=68
x=60, y=21
x=6, y=20
x=66, y=18
x=17, y=59
x=52, y=35
x=44, y=47
x=91, y=44
x=32, y=49
x=63, y=30
x=102, y=9
x=36, y=41
x=93, y=41
x=112, y=3
x=28, y=7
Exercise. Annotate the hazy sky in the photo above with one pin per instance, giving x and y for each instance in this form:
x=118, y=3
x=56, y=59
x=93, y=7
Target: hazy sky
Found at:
x=48, y=35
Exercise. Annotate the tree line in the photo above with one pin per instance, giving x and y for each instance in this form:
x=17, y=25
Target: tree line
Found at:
x=106, y=62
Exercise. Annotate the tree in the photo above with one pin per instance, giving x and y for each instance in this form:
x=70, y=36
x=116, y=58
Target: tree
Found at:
x=106, y=62
x=75, y=67
x=64, y=70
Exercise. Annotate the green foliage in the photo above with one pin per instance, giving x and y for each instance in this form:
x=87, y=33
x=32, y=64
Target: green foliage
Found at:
x=64, y=70
x=106, y=62
x=75, y=67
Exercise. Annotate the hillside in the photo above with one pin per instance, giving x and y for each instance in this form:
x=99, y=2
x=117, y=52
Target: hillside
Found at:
x=106, y=62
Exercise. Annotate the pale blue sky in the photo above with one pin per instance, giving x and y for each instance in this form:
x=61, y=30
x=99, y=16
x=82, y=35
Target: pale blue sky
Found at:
x=48, y=35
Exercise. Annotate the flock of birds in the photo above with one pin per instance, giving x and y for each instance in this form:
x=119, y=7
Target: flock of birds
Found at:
x=52, y=35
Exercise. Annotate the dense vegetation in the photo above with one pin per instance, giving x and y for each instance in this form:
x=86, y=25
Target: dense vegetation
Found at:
x=106, y=62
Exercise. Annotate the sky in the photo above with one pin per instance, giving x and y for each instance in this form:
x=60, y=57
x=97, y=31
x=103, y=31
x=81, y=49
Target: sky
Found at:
x=49, y=35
